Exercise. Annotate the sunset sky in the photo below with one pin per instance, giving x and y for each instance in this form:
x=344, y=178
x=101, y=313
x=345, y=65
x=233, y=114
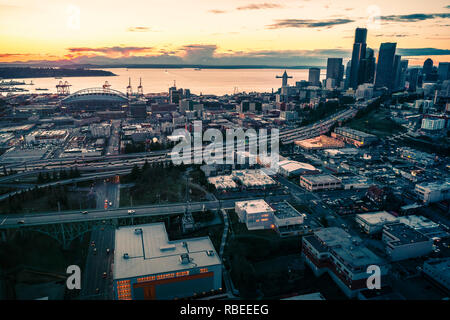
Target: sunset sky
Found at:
x=289, y=32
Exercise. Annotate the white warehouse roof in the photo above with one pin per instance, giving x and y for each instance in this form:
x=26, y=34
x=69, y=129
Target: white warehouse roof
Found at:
x=150, y=252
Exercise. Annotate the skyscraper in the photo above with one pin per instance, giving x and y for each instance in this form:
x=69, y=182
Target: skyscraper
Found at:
x=413, y=79
x=335, y=70
x=403, y=72
x=369, y=73
x=384, y=76
x=314, y=76
x=348, y=68
x=444, y=71
x=397, y=72
x=427, y=66
x=358, y=53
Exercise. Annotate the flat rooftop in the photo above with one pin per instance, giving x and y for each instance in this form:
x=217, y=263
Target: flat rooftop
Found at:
x=347, y=247
x=291, y=165
x=321, y=178
x=355, y=132
x=151, y=252
x=284, y=210
x=374, y=218
x=254, y=206
x=435, y=185
x=404, y=233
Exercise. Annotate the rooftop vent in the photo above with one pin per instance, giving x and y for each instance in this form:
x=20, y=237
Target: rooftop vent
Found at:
x=125, y=256
x=184, y=258
x=167, y=247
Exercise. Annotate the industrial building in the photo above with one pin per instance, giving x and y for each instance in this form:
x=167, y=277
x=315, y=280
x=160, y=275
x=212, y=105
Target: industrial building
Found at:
x=147, y=265
x=320, y=182
x=343, y=257
x=290, y=168
x=403, y=242
x=47, y=136
x=373, y=222
x=256, y=214
x=355, y=137
x=15, y=154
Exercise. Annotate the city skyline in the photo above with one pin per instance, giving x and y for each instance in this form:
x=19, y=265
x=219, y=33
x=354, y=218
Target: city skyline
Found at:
x=231, y=33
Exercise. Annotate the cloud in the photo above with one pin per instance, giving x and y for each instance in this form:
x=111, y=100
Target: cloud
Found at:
x=198, y=53
x=217, y=11
x=415, y=17
x=423, y=52
x=206, y=54
x=395, y=35
x=300, y=23
x=138, y=29
x=260, y=6
x=117, y=50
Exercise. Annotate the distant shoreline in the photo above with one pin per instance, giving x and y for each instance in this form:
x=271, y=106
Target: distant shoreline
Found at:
x=192, y=66
x=33, y=72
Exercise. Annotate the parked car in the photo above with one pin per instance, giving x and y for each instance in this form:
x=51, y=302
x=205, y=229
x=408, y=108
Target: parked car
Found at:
x=131, y=212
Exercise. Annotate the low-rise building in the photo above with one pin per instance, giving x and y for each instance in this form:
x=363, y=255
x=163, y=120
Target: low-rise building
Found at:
x=425, y=226
x=148, y=266
x=320, y=182
x=253, y=179
x=373, y=222
x=287, y=220
x=47, y=136
x=429, y=192
x=355, y=137
x=290, y=168
x=256, y=214
x=343, y=257
x=403, y=242
x=224, y=183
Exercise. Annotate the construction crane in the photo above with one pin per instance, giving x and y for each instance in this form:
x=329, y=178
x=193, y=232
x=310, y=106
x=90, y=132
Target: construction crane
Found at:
x=129, y=89
x=140, y=88
x=63, y=87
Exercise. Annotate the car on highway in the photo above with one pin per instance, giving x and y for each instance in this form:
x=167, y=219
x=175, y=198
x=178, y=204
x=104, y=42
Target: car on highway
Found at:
x=92, y=243
x=84, y=212
x=95, y=251
x=21, y=221
x=104, y=275
x=131, y=212
x=107, y=251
